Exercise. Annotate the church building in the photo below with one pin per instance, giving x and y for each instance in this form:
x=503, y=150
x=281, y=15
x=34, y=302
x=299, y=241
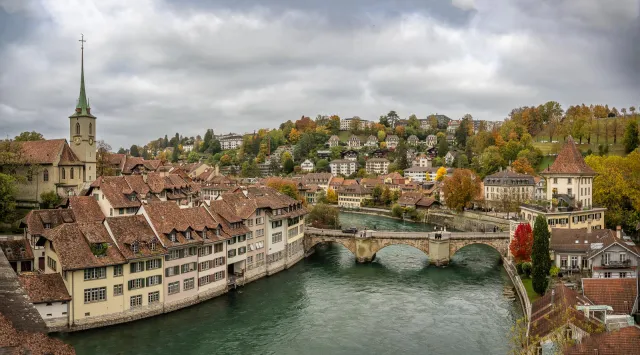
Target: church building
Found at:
x=55, y=164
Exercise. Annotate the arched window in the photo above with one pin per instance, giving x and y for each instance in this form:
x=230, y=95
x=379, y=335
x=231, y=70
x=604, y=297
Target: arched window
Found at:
x=71, y=173
x=45, y=175
x=90, y=128
x=78, y=128
x=64, y=174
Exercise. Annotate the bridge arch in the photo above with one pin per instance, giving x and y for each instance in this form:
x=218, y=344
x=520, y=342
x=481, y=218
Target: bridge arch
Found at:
x=313, y=241
x=501, y=246
x=379, y=244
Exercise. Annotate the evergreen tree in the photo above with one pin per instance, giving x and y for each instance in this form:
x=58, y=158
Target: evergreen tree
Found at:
x=288, y=166
x=401, y=156
x=540, y=255
x=631, y=140
x=208, y=137
x=175, y=155
x=134, y=151
x=443, y=147
x=165, y=142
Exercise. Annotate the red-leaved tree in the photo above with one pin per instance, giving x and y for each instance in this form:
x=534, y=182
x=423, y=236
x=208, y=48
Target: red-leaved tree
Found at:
x=522, y=243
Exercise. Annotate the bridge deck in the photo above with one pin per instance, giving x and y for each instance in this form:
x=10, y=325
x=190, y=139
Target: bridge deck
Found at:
x=410, y=235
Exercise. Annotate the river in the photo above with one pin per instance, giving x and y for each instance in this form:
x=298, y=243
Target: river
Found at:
x=328, y=304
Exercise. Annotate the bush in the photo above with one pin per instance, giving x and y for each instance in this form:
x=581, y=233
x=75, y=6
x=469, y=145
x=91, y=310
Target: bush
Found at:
x=526, y=269
x=519, y=268
x=397, y=211
x=554, y=271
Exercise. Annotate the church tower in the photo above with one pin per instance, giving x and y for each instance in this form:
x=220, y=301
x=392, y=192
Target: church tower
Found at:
x=82, y=128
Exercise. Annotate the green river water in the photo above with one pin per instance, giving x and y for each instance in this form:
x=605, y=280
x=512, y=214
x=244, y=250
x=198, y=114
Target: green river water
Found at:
x=328, y=304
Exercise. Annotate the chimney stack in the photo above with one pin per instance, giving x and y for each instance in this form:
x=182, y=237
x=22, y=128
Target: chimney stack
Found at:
x=619, y=232
x=589, y=228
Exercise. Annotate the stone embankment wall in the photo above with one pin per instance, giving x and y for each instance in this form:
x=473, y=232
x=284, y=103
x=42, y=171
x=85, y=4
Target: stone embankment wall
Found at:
x=465, y=221
x=517, y=282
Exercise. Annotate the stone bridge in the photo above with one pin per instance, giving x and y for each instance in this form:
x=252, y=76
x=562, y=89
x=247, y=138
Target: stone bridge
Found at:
x=438, y=246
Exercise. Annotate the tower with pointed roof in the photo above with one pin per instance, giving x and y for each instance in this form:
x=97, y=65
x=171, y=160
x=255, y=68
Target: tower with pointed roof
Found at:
x=82, y=128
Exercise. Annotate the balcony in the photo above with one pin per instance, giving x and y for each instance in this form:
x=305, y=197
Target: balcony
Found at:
x=616, y=264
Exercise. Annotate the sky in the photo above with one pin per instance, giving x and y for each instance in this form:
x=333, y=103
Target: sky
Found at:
x=156, y=67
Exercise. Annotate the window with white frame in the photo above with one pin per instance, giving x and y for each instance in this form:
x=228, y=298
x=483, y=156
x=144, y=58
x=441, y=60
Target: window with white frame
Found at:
x=117, y=270
x=135, y=301
x=276, y=237
x=623, y=257
x=154, y=264
x=137, y=267
x=172, y=271
x=188, y=284
x=97, y=294
x=154, y=297
x=173, y=287
x=117, y=290
x=206, y=265
x=204, y=280
x=260, y=233
x=250, y=235
x=188, y=267
x=136, y=284
x=607, y=275
x=95, y=273
x=154, y=280
x=218, y=248
x=218, y=275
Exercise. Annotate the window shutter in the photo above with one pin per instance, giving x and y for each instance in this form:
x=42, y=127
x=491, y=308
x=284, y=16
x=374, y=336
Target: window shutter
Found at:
x=146, y=282
x=159, y=279
x=133, y=267
x=166, y=272
x=130, y=284
x=159, y=262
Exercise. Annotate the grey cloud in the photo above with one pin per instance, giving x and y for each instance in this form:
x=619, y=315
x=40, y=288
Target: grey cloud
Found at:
x=155, y=68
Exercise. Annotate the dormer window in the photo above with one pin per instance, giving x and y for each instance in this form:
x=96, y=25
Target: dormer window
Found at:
x=135, y=247
x=204, y=233
x=187, y=234
x=132, y=197
x=217, y=231
x=47, y=226
x=172, y=237
x=152, y=245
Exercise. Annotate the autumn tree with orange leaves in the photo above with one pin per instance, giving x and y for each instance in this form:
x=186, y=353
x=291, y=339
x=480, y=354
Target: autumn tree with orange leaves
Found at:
x=522, y=243
x=461, y=189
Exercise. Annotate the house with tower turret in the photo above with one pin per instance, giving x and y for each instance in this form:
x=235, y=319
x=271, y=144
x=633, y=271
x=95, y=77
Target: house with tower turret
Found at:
x=64, y=167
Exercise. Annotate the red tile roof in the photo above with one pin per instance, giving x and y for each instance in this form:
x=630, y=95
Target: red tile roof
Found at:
x=43, y=288
x=35, y=220
x=17, y=249
x=42, y=152
x=14, y=341
x=72, y=241
x=624, y=341
x=573, y=240
x=621, y=294
x=569, y=161
x=85, y=209
x=128, y=230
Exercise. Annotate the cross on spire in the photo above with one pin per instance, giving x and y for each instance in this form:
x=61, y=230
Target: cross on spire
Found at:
x=82, y=108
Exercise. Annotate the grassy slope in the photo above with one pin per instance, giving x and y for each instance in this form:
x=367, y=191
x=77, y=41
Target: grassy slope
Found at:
x=529, y=287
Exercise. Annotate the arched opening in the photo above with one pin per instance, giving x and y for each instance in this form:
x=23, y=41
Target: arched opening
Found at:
x=478, y=256
x=77, y=128
x=45, y=175
x=90, y=128
x=64, y=173
x=399, y=257
x=71, y=173
x=333, y=254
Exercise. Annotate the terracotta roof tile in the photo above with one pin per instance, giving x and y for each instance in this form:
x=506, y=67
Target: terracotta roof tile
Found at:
x=576, y=240
x=129, y=230
x=68, y=157
x=85, y=209
x=43, y=288
x=42, y=152
x=35, y=220
x=17, y=249
x=621, y=294
x=71, y=243
x=569, y=161
x=624, y=341
x=555, y=309
x=14, y=341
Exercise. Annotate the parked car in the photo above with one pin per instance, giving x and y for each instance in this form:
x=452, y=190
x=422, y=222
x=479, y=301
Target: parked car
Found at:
x=554, y=141
x=352, y=230
x=544, y=141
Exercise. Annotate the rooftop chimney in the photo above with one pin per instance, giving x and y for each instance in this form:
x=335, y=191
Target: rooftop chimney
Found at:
x=589, y=228
x=619, y=232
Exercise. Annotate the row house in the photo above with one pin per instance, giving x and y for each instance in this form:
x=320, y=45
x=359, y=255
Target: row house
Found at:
x=138, y=166
x=343, y=167
x=569, y=182
x=392, y=141
x=18, y=252
x=49, y=296
x=353, y=196
x=508, y=186
x=322, y=180
x=372, y=142
x=377, y=166
x=603, y=253
x=231, y=141
x=334, y=141
x=354, y=142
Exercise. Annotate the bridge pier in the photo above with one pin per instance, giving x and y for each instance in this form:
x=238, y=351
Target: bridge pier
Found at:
x=364, y=250
x=439, y=248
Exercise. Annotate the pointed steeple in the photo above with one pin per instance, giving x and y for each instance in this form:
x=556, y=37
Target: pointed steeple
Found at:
x=82, y=107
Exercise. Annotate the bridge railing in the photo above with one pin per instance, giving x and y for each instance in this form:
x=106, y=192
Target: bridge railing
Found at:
x=522, y=292
x=412, y=235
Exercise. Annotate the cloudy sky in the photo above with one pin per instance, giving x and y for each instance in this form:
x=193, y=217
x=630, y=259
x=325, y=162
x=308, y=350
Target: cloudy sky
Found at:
x=158, y=67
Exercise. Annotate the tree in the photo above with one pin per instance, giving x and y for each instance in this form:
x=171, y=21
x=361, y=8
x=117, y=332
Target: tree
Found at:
x=122, y=151
x=324, y=216
x=522, y=166
x=175, y=154
x=49, y=199
x=134, y=151
x=441, y=173
x=376, y=194
x=29, y=136
x=332, y=196
x=386, y=195
x=392, y=118
x=286, y=187
x=381, y=135
x=443, y=147
x=322, y=165
x=401, y=152
x=193, y=157
x=294, y=136
x=103, y=165
x=8, y=190
x=522, y=243
x=288, y=166
x=460, y=189
x=540, y=255
x=631, y=140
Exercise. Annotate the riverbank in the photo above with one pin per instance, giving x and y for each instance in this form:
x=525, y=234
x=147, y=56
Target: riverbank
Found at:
x=328, y=304
x=466, y=221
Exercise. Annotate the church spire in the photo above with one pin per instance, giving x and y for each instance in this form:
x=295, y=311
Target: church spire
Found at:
x=82, y=108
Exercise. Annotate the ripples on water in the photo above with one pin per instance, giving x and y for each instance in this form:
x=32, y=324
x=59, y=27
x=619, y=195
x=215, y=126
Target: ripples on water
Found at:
x=327, y=305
